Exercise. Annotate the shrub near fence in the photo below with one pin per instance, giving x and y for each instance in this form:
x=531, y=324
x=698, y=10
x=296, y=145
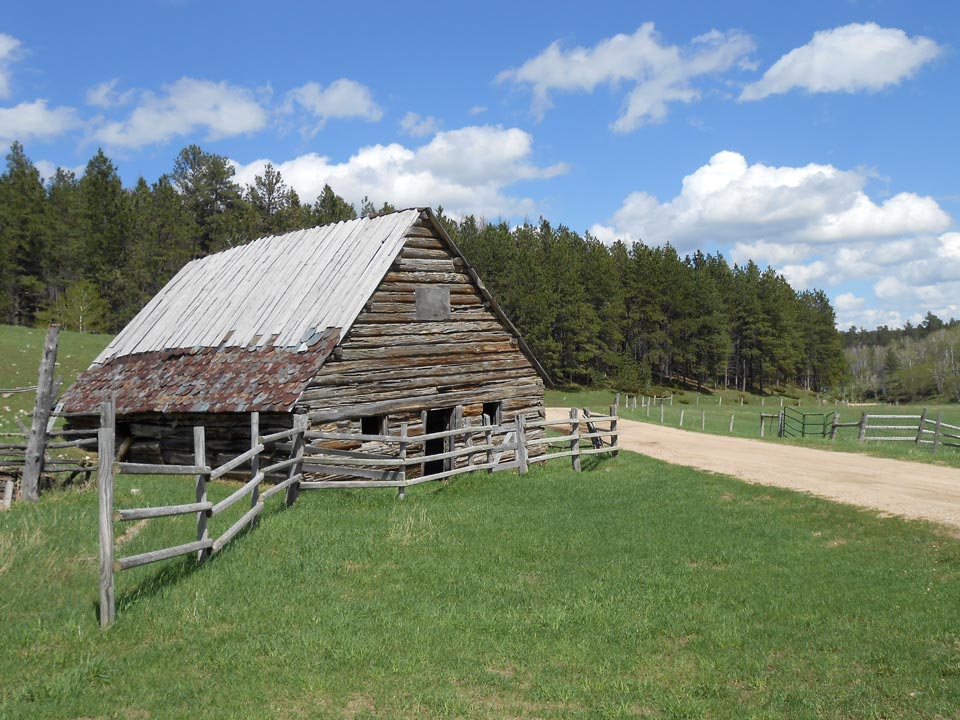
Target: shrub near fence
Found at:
x=500, y=447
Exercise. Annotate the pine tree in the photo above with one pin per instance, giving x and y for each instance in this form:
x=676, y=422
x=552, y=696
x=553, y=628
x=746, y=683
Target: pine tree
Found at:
x=23, y=238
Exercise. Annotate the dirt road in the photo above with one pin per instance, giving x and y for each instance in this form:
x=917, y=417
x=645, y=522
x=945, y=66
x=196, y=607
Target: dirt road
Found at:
x=897, y=487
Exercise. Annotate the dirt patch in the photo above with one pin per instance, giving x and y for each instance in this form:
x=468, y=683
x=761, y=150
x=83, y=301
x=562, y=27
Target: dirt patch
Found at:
x=895, y=487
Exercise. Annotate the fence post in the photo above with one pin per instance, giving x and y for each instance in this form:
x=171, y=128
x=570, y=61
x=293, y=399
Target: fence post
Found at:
x=762, y=418
x=487, y=440
x=681, y=417
x=200, y=460
x=648, y=407
x=923, y=419
x=105, y=446
x=703, y=420
x=661, y=413
x=300, y=422
x=255, y=460
x=936, y=431
x=731, y=422
x=836, y=423
x=862, y=435
x=575, y=440
x=613, y=429
x=719, y=400
x=521, y=445
x=617, y=403
x=36, y=445
x=402, y=455
x=7, y=495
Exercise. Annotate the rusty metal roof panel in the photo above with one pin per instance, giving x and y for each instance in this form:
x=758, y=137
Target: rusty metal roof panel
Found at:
x=228, y=379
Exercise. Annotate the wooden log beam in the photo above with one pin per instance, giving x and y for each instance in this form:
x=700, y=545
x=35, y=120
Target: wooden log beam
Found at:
x=334, y=470
x=231, y=532
x=236, y=462
x=153, y=556
x=237, y=495
x=127, y=514
x=150, y=469
x=279, y=487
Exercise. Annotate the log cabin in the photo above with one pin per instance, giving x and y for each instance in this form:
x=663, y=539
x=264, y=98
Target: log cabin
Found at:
x=361, y=325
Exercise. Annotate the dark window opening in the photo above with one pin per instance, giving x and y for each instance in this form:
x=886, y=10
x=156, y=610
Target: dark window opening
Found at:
x=373, y=425
x=494, y=411
x=437, y=421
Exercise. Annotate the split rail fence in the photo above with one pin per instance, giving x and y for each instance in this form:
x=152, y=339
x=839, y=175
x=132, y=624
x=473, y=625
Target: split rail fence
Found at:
x=15, y=448
x=489, y=447
x=919, y=429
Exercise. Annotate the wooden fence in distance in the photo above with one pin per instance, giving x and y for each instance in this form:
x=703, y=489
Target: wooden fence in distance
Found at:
x=486, y=447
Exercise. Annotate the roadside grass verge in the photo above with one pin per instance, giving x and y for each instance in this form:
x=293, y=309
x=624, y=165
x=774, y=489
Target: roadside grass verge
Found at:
x=714, y=418
x=634, y=589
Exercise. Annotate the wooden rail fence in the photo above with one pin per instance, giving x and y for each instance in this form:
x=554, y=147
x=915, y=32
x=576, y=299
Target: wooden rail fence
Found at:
x=15, y=446
x=489, y=447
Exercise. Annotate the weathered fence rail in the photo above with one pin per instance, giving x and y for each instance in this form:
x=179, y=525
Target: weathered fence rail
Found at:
x=487, y=446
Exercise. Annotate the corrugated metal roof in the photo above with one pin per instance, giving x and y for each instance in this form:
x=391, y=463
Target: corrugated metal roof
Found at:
x=281, y=291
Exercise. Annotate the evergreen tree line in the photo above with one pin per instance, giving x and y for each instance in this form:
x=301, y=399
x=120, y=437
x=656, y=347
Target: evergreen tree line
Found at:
x=89, y=253
x=639, y=315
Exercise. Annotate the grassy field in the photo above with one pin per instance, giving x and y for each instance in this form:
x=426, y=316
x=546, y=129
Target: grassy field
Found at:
x=713, y=414
x=20, y=351
x=634, y=590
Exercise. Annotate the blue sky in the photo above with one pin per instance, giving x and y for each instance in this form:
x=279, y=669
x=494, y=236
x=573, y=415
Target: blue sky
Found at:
x=817, y=137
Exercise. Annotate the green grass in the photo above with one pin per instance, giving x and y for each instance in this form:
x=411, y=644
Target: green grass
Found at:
x=21, y=349
x=634, y=590
x=709, y=412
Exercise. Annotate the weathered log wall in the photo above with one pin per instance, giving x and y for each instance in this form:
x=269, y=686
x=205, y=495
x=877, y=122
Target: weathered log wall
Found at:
x=395, y=365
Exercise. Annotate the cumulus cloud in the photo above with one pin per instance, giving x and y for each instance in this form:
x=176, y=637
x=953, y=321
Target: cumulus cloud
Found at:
x=9, y=47
x=188, y=105
x=656, y=73
x=466, y=170
x=729, y=201
x=105, y=95
x=817, y=225
x=416, y=125
x=853, y=58
x=35, y=120
x=340, y=99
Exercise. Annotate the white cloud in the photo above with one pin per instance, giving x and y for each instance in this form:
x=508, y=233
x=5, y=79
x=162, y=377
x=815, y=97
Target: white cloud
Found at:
x=816, y=225
x=9, y=46
x=105, y=95
x=806, y=277
x=478, y=109
x=770, y=252
x=658, y=74
x=48, y=169
x=852, y=58
x=221, y=109
x=466, y=171
x=34, y=120
x=341, y=99
x=949, y=246
x=416, y=125
x=730, y=201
